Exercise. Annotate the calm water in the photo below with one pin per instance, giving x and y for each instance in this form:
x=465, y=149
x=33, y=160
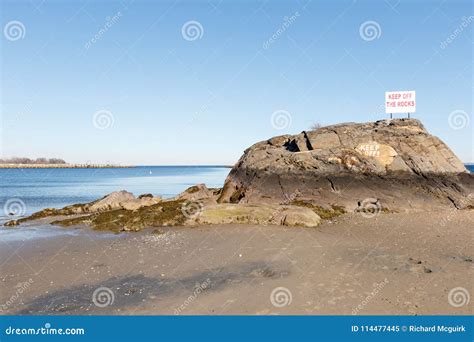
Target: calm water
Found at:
x=46, y=188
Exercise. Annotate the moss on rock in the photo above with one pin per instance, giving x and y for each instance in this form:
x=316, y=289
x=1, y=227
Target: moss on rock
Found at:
x=166, y=213
x=324, y=213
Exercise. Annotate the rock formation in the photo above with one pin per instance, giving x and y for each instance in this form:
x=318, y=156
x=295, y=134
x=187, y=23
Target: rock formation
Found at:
x=258, y=214
x=395, y=163
x=121, y=211
x=114, y=201
x=390, y=165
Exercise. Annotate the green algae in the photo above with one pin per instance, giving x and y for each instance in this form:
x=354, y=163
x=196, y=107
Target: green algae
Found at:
x=324, y=213
x=166, y=213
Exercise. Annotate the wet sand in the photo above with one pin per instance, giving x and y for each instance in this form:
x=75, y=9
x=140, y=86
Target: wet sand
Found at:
x=400, y=264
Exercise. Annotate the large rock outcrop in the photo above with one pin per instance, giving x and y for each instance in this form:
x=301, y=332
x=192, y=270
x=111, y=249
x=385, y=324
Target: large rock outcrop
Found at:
x=396, y=163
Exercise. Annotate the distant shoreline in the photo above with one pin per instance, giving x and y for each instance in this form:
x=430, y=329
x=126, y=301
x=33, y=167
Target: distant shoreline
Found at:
x=94, y=166
x=63, y=166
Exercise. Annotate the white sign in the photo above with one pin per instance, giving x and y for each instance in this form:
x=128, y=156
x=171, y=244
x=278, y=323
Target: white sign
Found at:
x=400, y=102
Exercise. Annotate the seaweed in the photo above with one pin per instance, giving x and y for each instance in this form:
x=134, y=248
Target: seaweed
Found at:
x=324, y=213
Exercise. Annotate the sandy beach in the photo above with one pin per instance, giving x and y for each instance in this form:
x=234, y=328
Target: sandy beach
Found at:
x=391, y=264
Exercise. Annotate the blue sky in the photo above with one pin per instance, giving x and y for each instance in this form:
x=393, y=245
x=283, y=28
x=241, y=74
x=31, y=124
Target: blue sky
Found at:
x=182, y=101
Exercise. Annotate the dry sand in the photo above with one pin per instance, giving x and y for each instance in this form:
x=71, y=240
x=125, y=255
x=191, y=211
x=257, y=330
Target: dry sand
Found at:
x=401, y=264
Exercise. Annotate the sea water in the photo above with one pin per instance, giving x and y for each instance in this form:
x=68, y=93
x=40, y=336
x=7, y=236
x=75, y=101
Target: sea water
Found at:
x=25, y=191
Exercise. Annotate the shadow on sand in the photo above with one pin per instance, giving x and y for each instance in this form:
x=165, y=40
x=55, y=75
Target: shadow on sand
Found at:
x=132, y=290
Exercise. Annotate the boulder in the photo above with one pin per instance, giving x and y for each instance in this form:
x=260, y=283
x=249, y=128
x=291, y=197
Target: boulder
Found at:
x=135, y=204
x=258, y=214
x=396, y=161
x=199, y=193
x=111, y=201
x=11, y=223
x=120, y=200
x=301, y=217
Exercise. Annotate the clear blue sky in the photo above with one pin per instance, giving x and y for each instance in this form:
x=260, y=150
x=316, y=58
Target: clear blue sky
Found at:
x=203, y=101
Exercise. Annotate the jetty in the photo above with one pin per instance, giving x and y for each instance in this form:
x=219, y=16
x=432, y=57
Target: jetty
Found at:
x=63, y=166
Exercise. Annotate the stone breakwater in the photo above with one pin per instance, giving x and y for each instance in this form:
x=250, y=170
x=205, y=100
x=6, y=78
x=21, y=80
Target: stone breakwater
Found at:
x=62, y=166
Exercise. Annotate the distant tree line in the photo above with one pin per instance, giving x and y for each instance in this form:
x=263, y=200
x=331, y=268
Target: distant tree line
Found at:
x=32, y=161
